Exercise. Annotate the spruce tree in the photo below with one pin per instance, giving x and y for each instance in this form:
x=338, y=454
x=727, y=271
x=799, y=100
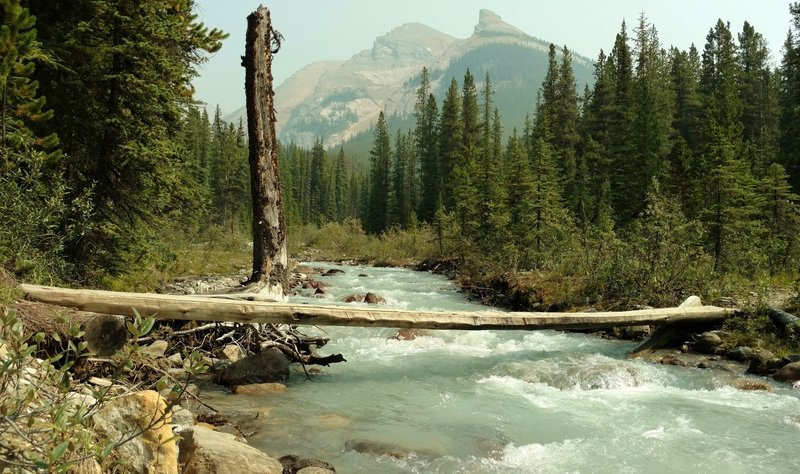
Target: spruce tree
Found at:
x=425, y=140
x=653, y=109
x=470, y=116
x=318, y=183
x=127, y=67
x=684, y=174
x=520, y=198
x=622, y=141
x=21, y=105
x=781, y=216
x=340, y=186
x=451, y=127
x=565, y=122
x=595, y=152
x=789, y=100
x=758, y=88
x=378, y=206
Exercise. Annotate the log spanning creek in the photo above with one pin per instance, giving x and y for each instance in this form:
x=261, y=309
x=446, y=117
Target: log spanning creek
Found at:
x=511, y=401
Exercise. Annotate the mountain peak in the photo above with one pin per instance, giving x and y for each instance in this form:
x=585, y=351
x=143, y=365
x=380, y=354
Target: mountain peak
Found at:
x=489, y=23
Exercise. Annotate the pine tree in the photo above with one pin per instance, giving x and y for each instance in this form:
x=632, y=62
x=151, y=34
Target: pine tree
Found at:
x=470, y=116
x=758, y=88
x=790, y=101
x=379, y=180
x=401, y=178
x=492, y=210
x=425, y=140
x=684, y=172
x=732, y=206
x=730, y=199
x=451, y=128
x=318, y=183
x=21, y=105
x=595, y=153
x=565, y=124
x=520, y=194
x=622, y=142
x=550, y=220
x=653, y=109
x=781, y=220
x=127, y=67
x=340, y=186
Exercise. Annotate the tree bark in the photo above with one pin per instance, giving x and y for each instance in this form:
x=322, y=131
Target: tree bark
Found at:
x=203, y=308
x=270, y=271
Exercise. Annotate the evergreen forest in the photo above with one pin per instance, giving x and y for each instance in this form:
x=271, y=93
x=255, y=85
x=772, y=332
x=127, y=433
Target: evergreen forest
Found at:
x=673, y=168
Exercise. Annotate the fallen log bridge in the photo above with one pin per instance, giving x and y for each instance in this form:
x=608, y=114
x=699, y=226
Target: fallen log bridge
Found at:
x=208, y=308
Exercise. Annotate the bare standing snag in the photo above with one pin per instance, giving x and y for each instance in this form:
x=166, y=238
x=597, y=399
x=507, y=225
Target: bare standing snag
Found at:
x=270, y=277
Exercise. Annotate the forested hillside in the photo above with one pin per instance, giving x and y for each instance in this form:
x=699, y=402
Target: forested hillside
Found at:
x=674, y=163
x=96, y=107
x=672, y=167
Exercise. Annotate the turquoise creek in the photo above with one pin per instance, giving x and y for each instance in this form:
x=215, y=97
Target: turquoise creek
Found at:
x=511, y=402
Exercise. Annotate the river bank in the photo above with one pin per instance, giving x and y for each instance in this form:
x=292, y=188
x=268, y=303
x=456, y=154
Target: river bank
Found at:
x=273, y=416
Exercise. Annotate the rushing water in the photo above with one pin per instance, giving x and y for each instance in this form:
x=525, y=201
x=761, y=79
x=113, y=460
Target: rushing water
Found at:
x=513, y=402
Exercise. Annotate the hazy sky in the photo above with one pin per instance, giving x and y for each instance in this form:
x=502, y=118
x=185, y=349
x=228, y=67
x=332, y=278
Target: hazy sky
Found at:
x=337, y=29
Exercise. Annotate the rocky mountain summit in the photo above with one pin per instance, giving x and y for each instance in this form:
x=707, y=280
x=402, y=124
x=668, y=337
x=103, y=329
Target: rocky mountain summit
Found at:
x=336, y=100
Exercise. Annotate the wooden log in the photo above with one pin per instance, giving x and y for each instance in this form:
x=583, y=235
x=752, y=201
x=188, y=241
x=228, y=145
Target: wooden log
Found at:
x=784, y=321
x=666, y=333
x=199, y=308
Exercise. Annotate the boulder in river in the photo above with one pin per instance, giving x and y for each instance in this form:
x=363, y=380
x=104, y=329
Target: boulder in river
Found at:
x=761, y=362
x=266, y=366
x=294, y=465
x=372, y=298
x=332, y=271
x=670, y=359
x=150, y=452
x=788, y=373
x=707, y=343
x=203, y=450
x=259, y=388
x=740, y=353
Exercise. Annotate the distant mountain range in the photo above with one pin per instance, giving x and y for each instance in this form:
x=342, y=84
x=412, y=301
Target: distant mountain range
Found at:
x=337, y=100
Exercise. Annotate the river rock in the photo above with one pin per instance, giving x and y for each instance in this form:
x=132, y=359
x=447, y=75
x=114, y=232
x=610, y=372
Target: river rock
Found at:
x=150, y=452
x=788, y=373
x=233, y=352
x=332, y=271
x=707, y=343
x=314, y=470
x=156, y=349
x=182, y=417
x=670, y=359
x=740, y=353
x=307, y=269
x=635, y=333
x=377, y=448
x=760, y=362
x=205, y=451
x=372, y=298
x=259, y=388
x=265, y=367
x=292, y=464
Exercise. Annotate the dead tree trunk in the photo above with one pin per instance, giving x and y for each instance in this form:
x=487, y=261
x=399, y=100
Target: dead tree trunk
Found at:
x=270, y=271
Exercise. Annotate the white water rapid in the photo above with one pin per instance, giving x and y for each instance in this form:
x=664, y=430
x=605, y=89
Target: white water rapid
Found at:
x=512, y=402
